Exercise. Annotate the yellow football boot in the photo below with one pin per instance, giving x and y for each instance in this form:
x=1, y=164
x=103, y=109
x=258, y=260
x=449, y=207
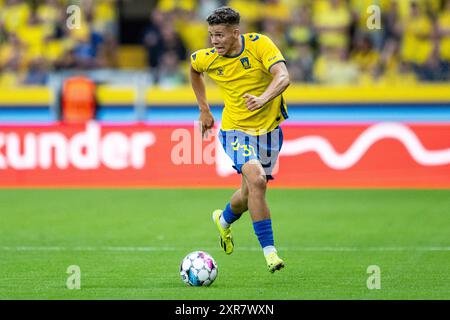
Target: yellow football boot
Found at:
x=226, y=239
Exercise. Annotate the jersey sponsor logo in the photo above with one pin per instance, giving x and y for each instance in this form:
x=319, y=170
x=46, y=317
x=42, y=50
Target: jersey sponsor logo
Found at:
x=273, y=58
x=246, y=63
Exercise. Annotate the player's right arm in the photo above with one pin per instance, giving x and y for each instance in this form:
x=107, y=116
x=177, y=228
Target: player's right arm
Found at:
x=198, y=85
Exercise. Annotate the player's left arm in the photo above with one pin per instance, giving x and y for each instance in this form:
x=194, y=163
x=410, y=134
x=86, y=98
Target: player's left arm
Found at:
x=279, y=84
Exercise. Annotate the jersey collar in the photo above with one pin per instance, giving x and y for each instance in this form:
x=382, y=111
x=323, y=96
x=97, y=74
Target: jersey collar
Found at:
x=242, y=50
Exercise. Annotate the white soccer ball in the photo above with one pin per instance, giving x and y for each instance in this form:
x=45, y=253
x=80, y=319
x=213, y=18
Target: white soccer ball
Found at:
x=198, y=268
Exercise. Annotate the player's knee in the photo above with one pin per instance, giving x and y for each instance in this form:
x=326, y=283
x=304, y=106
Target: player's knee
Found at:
x=257, y=183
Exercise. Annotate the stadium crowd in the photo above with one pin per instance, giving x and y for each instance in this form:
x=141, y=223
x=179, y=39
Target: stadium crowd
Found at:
x=35, y=38
x=324, y=41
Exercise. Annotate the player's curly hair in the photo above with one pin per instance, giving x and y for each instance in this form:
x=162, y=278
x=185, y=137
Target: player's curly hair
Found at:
x=224, y=15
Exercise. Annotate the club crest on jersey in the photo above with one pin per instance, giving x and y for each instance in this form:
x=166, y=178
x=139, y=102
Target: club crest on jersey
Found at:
x=220, y=71
x=246, y=63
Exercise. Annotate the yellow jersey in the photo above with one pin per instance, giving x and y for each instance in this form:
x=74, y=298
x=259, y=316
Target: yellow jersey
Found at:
x=246, y=72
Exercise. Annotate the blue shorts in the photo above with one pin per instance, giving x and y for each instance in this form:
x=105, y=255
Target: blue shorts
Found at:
x=242, y=147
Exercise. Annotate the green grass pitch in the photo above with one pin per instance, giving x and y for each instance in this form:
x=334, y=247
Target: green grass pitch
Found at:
x=129, y=244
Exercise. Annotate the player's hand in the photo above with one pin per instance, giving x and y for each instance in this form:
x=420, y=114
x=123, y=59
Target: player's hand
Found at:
x=206, y=121
x=253, y=103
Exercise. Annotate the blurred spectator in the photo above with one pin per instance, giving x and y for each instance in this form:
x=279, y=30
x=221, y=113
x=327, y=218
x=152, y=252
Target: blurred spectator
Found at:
x=192, y=31
x=11, y=57
x=32, y=35
x=104, y=18
x=175, y=5
x=361, y=16
x=277, y=10
x=170, y=74
x=250, y=13
x=37, y=72
x=274, y=31
x=443, y=26
x=299, y=54
x=84, y=49
x=152, y=36
x=366, y=57
x=417, y=43
x=57, y=52
x=14, y=15
x=50, y=13
x=161, y=38
x=334, y=68
x=332, y=21
x=394, y=70
x=392, y=24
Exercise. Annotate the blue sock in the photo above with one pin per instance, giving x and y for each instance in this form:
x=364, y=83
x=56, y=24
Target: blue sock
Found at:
x=229, y=216
x=263, y=230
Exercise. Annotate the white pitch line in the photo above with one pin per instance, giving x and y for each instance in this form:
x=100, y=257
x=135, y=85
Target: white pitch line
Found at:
x=159, y=249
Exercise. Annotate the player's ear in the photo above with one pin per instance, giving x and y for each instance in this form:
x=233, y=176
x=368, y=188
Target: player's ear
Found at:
x=236, y=32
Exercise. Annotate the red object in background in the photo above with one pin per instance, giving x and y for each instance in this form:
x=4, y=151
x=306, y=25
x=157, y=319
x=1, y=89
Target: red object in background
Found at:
x=388, y=155
x=78, y=99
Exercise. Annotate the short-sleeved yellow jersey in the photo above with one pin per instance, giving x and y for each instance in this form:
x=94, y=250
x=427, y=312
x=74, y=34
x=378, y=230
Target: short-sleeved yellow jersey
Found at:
x=246, y=72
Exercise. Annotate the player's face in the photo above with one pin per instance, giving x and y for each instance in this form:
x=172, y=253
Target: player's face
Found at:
x=224, y=38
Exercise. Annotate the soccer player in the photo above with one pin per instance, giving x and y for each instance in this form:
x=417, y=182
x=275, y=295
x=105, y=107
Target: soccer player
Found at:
x=252, y=75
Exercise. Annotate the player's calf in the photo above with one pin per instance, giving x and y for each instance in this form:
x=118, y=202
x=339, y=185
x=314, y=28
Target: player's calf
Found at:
x=263, y=230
